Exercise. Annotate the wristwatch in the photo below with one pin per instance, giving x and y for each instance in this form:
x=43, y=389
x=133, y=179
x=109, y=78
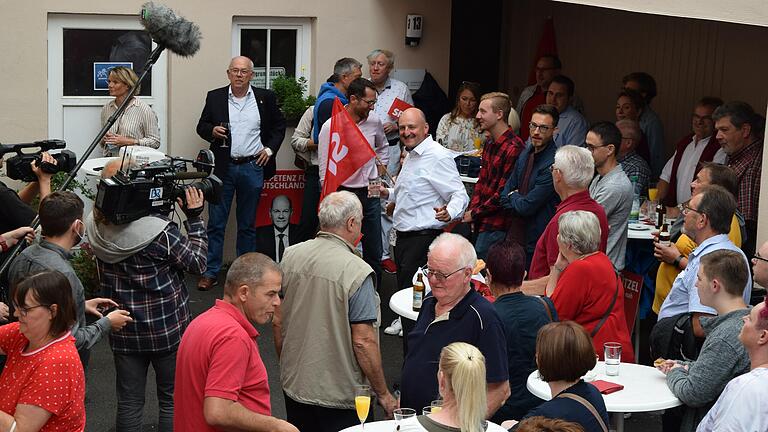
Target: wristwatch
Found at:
x=677, y=260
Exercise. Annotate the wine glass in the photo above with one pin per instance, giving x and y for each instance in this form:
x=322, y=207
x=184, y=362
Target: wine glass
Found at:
x=362, y=403
x=226, y=126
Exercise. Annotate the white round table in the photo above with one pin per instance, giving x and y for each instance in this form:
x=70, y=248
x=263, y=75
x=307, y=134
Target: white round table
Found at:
x=405, y=426
x=465, y=179
x=94, y=166
x=640, y=231
x=645, y=389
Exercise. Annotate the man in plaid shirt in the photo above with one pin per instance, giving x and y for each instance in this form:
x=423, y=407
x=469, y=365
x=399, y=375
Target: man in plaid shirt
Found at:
x=499, y=156
x=739, y=131
x=141, y=266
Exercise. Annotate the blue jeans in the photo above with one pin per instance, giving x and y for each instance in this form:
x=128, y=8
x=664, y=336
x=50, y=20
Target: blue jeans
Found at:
x=131, y=371
x=246, y=181
x=485, y=240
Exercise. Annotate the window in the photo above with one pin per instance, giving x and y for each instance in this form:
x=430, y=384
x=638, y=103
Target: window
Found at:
x=90, y=53
x=277, y=46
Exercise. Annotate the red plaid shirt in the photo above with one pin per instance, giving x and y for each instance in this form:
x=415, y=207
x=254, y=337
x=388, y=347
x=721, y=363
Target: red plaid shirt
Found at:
x=747, y=164
x=497, y=162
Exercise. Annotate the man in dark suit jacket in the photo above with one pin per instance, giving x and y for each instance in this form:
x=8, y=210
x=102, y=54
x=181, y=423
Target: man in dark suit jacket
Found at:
x=271, y=240
x=245, y=128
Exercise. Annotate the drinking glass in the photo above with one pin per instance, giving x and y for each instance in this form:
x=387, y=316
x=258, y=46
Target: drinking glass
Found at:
x=612, y=358
x=653, y=194
x=427, y=410
x=362, y=403
x=373, y=188
x=436, y=405
x=225, y=141
x=402, y=414
x=464, y=166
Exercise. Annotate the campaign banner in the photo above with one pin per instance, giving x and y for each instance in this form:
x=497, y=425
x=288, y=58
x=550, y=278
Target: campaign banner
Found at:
x=397, y=107
x=288, y=185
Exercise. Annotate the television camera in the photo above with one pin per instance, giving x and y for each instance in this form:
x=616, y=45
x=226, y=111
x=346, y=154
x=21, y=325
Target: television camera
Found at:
x=19, y=167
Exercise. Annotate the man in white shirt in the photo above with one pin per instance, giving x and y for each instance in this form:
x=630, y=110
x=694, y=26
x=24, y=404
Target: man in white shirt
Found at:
x=699, y=146
x=428, y=194
x=362, y=98
x=741, y=406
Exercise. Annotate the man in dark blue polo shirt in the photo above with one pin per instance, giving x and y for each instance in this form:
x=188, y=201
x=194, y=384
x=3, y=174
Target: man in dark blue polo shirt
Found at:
x=454, y=312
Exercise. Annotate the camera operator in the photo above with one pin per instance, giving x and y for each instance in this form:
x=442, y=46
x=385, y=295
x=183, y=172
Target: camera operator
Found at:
x=15, y=210
x=142, y=265
x=61, y=219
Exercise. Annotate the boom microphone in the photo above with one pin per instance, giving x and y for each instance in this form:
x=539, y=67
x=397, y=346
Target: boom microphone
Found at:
x=170, y=30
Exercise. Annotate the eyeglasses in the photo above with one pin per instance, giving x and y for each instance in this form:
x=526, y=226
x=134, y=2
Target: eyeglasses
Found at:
x=686, y=207
x=759, y=258
x=239, y=72
x=440, y=277
x=544, y=128
x=592, y=148
x=371, y=102
x=24, y=310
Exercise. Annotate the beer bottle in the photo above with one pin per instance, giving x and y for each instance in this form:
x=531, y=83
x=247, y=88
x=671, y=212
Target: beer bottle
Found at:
x=664, y=236
x=418, y=293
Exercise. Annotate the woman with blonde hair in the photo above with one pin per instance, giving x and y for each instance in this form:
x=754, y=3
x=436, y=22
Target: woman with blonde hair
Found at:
x=137, y=125
x=461, y=380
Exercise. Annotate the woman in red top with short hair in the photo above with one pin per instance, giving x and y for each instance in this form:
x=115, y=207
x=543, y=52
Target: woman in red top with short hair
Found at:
x=584, y=285
x=42, y=387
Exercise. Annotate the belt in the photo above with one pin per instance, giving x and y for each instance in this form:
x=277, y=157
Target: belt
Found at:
x=356, y=190
x=242, y=160
x=424, y=232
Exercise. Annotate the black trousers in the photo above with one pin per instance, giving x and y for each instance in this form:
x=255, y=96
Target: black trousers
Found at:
x=321, y=419
x=410, y=254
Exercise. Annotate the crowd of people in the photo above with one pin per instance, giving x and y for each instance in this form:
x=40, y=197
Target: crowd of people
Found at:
x=549, y=216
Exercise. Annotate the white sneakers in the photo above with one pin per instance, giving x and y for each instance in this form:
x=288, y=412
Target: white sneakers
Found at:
x=396, y=328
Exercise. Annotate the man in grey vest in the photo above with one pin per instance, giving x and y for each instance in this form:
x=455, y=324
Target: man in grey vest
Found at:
x=326, y=330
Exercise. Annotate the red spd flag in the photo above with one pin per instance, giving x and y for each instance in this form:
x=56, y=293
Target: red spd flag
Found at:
x=348, y=150
x=397, y=108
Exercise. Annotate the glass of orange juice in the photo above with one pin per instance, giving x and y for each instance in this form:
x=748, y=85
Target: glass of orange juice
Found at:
x=436, y=405
x=653, y=193
x=362, y=403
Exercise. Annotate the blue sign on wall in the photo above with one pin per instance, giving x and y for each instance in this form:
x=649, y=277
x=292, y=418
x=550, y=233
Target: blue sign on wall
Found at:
x=101, y=73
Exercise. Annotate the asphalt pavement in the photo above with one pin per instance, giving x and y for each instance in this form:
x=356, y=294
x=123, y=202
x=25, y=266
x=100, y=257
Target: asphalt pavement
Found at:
x=101, y=401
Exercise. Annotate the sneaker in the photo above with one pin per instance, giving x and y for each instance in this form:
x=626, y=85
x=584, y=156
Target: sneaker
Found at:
x=389, y=266
x=395, y=328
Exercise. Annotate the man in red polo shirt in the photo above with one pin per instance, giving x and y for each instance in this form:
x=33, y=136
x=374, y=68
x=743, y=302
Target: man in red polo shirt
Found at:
x=571, y=174
x=221, y=382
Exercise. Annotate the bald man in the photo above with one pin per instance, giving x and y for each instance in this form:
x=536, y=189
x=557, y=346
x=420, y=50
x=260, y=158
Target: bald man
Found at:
x=271, y=240
x=428, y=194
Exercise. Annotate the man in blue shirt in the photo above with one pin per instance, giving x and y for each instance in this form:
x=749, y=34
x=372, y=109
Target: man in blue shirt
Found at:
x=707, y=220
x=572, y=127
x=454, y=312
x=529, y=192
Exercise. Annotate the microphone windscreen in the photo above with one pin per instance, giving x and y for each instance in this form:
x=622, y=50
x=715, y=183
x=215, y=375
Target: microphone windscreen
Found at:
x=189, y=175
x=170, y=30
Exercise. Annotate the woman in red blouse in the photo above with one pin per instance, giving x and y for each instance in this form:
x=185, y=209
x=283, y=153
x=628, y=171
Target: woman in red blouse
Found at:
x=42, y=387
x=584, y=285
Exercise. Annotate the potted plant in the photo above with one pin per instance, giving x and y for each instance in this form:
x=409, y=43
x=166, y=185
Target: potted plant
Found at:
x=290, y=97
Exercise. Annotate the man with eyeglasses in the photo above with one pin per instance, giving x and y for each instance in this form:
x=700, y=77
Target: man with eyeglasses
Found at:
x=708, y=217
x=690, y=152
x=453, y=312
x=61, y=219
x=611, y=187
x=529, y=194
x=362, y=98
x=499, y=156
x=245, y=128
x=572, y=127
x=760, y=265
